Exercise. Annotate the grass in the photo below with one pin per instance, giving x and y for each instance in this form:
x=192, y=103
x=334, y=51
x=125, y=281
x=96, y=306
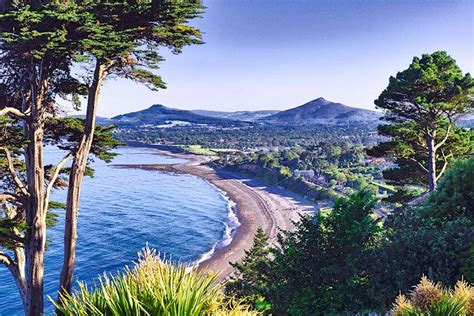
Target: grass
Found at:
x=199, y=150
x=153, y=287
x=324, y=211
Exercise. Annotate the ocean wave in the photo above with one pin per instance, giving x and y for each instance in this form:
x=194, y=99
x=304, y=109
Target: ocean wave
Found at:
x=231, y=224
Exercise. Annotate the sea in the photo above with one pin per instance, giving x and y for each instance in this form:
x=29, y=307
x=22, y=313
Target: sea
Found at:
x=122, y=210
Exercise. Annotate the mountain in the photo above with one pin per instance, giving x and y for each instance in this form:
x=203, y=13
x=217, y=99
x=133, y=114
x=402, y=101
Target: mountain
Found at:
x=322, y=111
x=159, y=115
x=247, y=116
x=467, y=121
x=99, y=120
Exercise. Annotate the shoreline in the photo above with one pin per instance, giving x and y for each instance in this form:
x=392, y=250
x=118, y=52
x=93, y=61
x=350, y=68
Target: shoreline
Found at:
x=256, y=205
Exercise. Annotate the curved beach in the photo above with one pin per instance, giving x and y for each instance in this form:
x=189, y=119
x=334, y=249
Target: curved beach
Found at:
x=257, y=205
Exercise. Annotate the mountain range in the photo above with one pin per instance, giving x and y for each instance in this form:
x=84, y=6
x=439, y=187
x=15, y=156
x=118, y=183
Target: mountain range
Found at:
x=319, y=111
x=159, y=114
x=322, y=111
x=247, y=116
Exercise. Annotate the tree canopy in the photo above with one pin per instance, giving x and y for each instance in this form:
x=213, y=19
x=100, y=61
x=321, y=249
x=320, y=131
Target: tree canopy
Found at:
x=52, y=50
x=422, y=104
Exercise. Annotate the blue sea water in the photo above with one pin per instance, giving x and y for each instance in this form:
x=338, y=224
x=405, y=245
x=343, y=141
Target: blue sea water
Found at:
x=121, y=210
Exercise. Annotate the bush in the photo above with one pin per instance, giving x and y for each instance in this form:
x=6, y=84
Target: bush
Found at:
x=428, y=298
x=153, y=287
x=455, y=195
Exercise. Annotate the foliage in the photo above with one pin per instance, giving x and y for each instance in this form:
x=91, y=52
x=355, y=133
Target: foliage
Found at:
x=53, y=50
x=455, y=196
x=422, y=104
x=435, y=239
x=250, y=137
x=152, y=287
x=334, y=169
x=249, y=280
x=428, y=298
x=321, y=267
x=65, y=133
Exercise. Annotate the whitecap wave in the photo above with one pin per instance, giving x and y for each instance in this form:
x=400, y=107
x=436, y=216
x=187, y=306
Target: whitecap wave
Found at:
x=231, y=224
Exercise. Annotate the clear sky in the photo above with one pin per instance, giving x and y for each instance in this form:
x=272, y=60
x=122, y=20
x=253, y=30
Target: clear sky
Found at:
x=275, y=54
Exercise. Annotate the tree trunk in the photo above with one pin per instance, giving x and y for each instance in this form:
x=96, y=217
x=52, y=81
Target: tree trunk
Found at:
x=35, y=214
x=20, y=279
x=431, y=163
x=75, y=181
x=17, y=269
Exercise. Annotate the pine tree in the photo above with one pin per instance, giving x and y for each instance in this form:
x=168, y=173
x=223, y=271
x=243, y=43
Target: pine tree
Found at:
x=250, y=281
x=422, y=104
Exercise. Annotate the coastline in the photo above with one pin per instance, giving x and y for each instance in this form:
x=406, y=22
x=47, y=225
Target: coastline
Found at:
x=256, y=205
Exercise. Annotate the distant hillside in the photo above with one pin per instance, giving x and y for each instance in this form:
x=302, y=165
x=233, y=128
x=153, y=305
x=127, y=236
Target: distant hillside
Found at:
x=321, y=111
x=247, y=116
x=104, y=121
x=467, y=121
x=160, y=115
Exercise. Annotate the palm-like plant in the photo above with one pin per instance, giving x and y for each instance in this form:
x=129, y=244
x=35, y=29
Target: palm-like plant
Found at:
x=153, y=287
x=430, y=299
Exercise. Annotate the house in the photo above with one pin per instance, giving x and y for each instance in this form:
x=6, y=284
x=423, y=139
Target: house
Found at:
x=306, y=174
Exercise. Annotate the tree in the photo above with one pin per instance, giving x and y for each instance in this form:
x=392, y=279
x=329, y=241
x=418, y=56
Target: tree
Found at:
x=249, y=281
x=322, y=267
x=34, y=63
x=122, y=41
x=434, y=239
x=455, y=195
x=422, y=103
x=41, y=43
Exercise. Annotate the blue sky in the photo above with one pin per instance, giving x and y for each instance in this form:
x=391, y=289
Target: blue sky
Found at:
x=275, y=54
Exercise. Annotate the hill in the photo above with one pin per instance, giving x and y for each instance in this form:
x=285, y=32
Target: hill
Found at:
x=99, y=120
x=159, y=115
x=322, y=111
x=247, y=116
x=467, y=121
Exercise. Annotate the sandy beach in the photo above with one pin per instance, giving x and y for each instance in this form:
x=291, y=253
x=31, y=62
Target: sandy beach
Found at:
x=257, y=205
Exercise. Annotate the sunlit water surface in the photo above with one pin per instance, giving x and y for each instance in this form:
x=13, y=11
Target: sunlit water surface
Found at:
x=121, y=210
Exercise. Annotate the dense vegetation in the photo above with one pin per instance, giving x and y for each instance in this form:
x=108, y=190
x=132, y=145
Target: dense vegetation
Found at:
x=349, y=260
x=345, y=261
x=331, y=170
x=153, y=287
x=251, y=137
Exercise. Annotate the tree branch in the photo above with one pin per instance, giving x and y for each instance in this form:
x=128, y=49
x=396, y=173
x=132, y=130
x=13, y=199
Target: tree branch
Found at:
x=8, y=197
x=13, y=111
x=442, y=142
x=445, y=165
x=54, y=177
x=6, y=259
x=12, y=171
x=11, y=198
x=419, y=164
x=14, y=268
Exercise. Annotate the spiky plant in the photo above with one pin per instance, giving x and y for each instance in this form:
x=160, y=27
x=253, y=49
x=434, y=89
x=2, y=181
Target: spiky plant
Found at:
x=153, y=287
x=431, y=299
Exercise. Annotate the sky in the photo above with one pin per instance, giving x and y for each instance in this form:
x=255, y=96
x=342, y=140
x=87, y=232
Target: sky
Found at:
x=275, y=54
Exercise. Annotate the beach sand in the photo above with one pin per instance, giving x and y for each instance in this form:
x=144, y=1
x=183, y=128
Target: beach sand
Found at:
x=257, y=205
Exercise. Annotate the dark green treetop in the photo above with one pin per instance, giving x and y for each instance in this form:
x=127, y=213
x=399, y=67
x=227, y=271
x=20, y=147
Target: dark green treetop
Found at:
x=422, y=105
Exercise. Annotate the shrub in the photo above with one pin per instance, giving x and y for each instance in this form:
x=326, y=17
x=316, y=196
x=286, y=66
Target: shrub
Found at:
x=428, y=298
x=455, y=195
x=153, y=287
